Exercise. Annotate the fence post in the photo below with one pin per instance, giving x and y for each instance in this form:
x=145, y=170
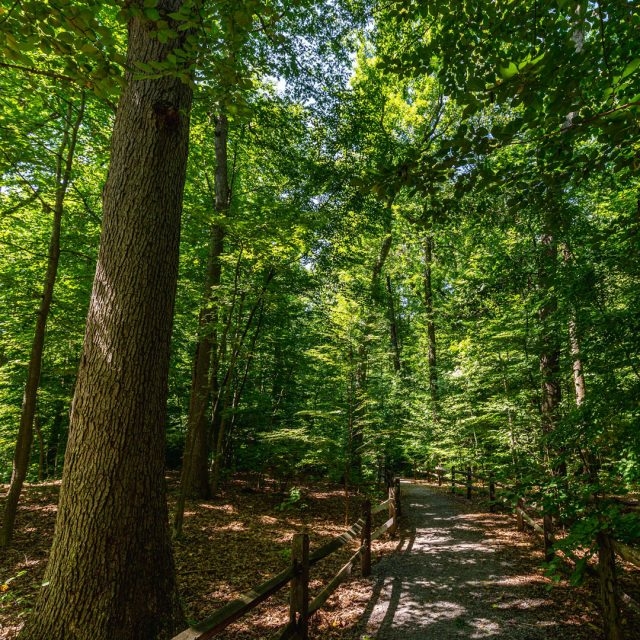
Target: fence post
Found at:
x=453, y=479
x=299, y=596
x=519, y=510
x=396, y=497
x=392, y=512
x=469, y=483
x=365, y=558
x=608, y=587
x=547, y=527
x=492, y=493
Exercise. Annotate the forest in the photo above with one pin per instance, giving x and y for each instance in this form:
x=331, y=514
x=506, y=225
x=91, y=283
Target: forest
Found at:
x=341, y=240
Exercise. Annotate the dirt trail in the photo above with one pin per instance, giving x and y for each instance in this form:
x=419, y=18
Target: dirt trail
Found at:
x=468, y=575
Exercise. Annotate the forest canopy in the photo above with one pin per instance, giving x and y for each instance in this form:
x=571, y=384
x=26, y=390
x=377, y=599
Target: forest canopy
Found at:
x=408, y=237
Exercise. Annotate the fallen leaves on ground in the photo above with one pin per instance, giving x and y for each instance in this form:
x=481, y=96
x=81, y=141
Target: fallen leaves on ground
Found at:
x=241, y=538
x=229, y=545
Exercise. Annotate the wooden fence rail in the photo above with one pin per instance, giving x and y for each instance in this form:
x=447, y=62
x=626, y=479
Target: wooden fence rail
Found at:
x=297, y=576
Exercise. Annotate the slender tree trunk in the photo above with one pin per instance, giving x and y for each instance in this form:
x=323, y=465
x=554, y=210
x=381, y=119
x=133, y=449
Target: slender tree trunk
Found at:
x=194, y=479
x=53, y=444
x=239, y=388
x=195, y=469
x=549, y=343
x=393, y=328
x=219, y=350
x=431, y=326
x=589, y=460
x=507, y=393
x=549, y=358
x=579, y=385
x=223, y=400
x=222, y=406
x=358, y=412
x=110, y=572
x=24, y=441
x=41, y=458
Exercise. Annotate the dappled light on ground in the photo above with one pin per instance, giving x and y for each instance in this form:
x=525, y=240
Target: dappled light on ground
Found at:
x=454, y=571
x=455, y=577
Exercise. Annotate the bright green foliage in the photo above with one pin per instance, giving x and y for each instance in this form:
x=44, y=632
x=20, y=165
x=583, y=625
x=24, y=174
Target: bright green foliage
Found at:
x=78, y=42
x=490, y=130
x=32, y=121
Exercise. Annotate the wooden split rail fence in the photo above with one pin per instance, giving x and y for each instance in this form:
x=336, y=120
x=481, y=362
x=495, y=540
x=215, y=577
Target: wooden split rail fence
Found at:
x=525, y=516
x=296, y=575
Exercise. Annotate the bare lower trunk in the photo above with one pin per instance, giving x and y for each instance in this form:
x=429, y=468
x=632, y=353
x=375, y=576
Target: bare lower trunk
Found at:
x=609, y=595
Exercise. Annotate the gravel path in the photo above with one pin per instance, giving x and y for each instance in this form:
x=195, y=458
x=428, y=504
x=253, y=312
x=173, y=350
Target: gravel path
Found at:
x=467, y=575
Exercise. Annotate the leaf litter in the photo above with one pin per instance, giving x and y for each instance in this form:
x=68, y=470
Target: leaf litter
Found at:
x=241, y=538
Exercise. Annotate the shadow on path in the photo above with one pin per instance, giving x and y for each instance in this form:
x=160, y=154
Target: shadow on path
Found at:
x=452, y=578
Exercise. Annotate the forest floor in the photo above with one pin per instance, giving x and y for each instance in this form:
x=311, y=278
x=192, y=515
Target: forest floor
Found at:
x=236, y=541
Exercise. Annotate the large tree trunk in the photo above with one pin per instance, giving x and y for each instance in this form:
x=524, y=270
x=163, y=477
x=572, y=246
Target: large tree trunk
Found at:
x=111, y=572
x=24, y=441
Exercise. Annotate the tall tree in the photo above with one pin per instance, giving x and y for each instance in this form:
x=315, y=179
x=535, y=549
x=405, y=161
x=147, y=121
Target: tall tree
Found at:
x=431, y=325
x=64, y=165
x=112, y=522
x=195, y=467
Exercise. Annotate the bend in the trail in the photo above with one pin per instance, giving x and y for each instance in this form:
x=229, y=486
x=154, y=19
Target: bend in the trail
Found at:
x=467, y=575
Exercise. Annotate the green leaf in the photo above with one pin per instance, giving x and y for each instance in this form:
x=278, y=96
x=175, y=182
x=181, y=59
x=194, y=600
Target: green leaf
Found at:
x=509, y=71
x=630, y=68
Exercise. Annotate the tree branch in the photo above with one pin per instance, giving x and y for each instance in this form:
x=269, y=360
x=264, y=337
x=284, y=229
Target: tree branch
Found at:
x=39, y=72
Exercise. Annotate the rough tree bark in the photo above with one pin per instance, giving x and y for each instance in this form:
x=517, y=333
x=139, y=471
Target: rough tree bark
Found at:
x=24, y=440
x=110, y=572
